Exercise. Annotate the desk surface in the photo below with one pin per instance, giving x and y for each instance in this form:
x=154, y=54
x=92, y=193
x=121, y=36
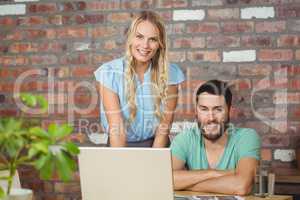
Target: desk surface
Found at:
x=273, y=197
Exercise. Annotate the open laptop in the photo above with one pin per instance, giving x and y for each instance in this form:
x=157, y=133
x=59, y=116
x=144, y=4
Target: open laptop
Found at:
x=125, y=173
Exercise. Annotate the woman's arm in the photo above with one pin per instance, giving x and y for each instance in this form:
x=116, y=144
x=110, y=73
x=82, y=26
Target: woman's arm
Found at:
x=163, y=129
x=111, y=103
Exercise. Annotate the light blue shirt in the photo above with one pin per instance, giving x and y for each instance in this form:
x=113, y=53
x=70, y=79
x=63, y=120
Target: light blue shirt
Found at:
x=112, y=76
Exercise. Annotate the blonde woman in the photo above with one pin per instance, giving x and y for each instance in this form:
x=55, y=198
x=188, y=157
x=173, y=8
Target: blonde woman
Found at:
x=139, y=91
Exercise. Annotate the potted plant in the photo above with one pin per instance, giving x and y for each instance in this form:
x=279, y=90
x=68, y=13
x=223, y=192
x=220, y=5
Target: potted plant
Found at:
x=24, y=142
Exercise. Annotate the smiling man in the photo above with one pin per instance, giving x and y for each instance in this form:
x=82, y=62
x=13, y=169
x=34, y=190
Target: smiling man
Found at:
x=215, y=156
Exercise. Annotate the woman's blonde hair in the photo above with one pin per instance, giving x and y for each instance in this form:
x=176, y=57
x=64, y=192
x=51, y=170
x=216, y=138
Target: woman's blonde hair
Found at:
x=159, y=70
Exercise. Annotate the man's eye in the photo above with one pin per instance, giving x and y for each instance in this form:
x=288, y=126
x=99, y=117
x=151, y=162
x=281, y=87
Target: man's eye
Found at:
x=153, y=39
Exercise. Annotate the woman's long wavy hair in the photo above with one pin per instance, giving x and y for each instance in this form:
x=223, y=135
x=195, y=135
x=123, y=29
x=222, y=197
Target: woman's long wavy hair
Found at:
x=159, y=70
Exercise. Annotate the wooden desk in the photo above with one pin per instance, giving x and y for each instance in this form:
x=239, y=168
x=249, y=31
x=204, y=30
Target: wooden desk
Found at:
x=273, y=197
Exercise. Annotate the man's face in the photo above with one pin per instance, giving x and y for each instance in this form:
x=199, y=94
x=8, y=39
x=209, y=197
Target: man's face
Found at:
x=212, y=115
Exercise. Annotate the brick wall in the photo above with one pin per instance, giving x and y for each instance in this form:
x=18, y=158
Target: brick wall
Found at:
x=53, y=46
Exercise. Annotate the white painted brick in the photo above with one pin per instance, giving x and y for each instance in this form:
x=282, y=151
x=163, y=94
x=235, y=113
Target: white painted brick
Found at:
x=13, y=9
x=239, y=56
x=26, y=0
x=257, y=12
x=284, y=155
x=183, y=15
x=81, y=46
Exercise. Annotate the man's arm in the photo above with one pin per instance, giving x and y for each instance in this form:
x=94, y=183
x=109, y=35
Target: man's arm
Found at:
x=185, y=179
x=239, y=183
x=163, y=129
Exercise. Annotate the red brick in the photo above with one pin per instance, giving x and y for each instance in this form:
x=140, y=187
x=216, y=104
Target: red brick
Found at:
x=189, y=42
x=8, y=112
x=3, y=48
x=13, y=60
x=270, y=27
x=119, y=17
x=288, y=11
x=203, y=28
x=92, y=114
x=39, y=34
x=166, y=15
x=172, y=3
x=71, y=187
x=20, y=47
x=223, y=14
x=191, y=85
x=266, y=154
x=32, y=20
x=113, y=44
x=43, y=59
x=204, y=56
x=105, y=5
x=89, y=19
x=257, y=41
x=42, y=7
x=237, y=27
x=297, y=54
x=101, y=58
x=14, y=35
x=275, y=141
x=73, y=6
x=259, y=126
x=104, y=31
x=286, y=98
x=242, y=84
x=292, y=69
x=133, y=4
x=289, y=40
x=59, y=72
x=222, y=41
x=294, y=84
x=184, y=114
x=6, y=86
x=85, y=71
x=178, y=28
x=275, y=55
x=177, y=56
x=255, y=70
x=77, y=59
x=71, y=33
x=7, y=21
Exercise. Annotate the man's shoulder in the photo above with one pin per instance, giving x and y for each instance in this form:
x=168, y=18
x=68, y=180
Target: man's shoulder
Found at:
x=247, y=134
x=187, y=134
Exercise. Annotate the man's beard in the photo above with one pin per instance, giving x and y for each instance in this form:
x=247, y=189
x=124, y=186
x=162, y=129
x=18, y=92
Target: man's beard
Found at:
x=214, y=137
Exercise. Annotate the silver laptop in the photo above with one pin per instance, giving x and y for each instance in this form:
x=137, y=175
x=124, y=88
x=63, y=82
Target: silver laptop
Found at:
x=125, y=173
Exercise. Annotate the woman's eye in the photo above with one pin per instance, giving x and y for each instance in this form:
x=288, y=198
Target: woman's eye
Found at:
x=139, y=36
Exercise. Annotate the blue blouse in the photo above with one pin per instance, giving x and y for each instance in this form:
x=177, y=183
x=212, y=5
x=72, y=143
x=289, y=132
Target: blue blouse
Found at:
x=112, y=76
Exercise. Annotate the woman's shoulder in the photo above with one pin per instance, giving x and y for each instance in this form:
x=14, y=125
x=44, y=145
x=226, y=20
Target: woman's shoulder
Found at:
x=176, y=75
x=113, y=65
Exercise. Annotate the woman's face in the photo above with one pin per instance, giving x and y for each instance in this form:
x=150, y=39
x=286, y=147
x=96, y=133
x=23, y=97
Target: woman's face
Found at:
x=145, y=42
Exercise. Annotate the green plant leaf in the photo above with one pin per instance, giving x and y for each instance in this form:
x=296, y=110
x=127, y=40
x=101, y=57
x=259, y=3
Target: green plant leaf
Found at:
x=29, y=99
x=2, y=193
x=64, y=166
x=39, y=132
x=71, y=148
x=47, y=170
x=42, y=103
x=42, y=160
x=59, y=132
